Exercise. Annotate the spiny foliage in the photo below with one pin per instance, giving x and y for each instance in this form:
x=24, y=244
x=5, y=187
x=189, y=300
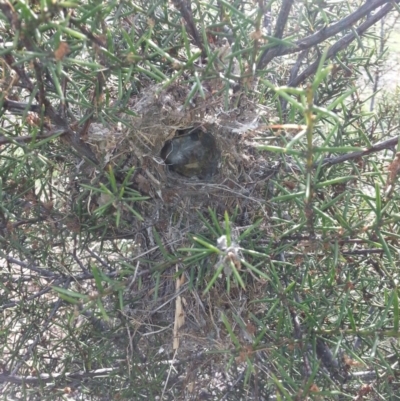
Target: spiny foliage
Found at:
x=300, y=301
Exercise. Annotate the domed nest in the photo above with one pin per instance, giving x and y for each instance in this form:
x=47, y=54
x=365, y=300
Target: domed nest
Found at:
x=187, y=158
x=189, y=162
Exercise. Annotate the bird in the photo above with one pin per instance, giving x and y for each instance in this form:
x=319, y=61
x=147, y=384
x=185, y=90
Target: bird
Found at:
x=192, y=154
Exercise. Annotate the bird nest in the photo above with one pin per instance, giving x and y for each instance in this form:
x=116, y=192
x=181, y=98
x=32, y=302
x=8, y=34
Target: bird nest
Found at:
x=187, y=158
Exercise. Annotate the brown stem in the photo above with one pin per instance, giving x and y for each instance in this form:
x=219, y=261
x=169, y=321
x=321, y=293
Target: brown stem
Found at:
x=342, y=44
x=323, y=33
x=330, y=161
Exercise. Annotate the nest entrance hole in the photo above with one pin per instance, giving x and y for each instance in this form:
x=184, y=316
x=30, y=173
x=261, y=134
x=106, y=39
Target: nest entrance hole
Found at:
x=192, y=153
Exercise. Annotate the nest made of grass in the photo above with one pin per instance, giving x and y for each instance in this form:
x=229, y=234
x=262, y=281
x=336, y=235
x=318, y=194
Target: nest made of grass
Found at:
x=161, y=114
x=175, y=201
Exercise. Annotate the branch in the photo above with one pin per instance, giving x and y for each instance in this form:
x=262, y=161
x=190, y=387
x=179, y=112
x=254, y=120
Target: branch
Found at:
x=323, y=33
x=342, y=44
x=279, y=27
x=43, y=328
x=282, y=18
x=330, y=161
x=56, y=280
x=69, y=136
x=12, y=105
x=95, y=39
x=188, y=17
x=30, y=266
x=362, y=252
x=343, y=24
x=26, y=139
x=46, y=378
x=12, y=304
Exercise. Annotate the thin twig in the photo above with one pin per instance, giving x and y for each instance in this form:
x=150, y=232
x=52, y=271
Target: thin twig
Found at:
x=322, y=34
x=330, y=161
x=39, y=336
